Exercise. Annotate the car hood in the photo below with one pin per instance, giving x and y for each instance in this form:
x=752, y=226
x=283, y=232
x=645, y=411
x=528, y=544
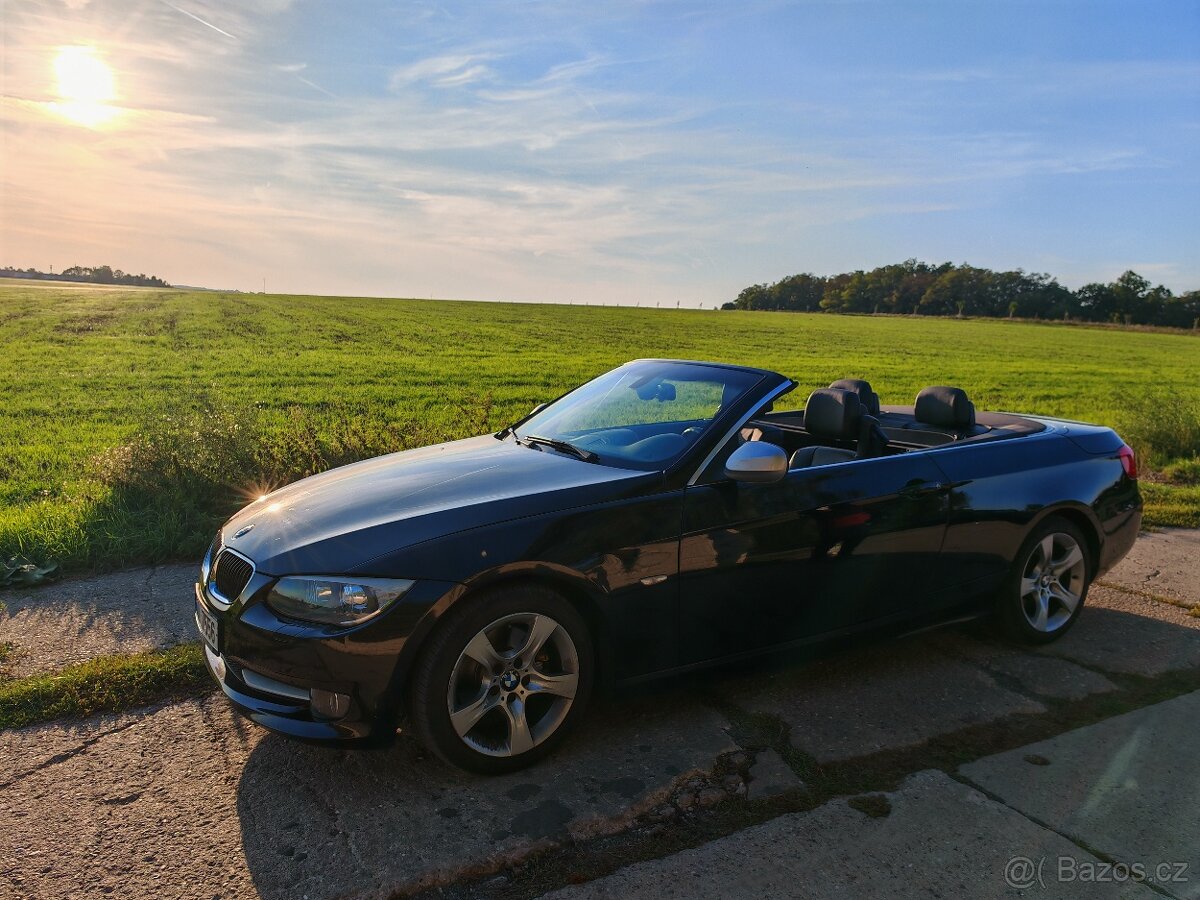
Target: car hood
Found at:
x=341, y=519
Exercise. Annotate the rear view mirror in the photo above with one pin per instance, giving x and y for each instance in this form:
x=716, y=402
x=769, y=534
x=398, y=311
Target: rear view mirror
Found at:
x=666, y=392
x=757, y=462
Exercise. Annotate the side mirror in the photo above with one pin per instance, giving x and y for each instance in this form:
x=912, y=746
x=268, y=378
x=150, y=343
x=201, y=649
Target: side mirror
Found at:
x=757, y=462
x=537, y=409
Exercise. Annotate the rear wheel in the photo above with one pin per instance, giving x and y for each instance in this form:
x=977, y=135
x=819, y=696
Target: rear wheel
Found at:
x=1046, y=588
x=503, y=681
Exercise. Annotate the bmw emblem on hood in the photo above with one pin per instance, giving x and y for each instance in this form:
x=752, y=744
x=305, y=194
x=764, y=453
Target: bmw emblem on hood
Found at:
x=245, y=530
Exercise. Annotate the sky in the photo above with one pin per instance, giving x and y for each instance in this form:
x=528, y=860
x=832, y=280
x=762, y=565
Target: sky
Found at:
x=631, y=151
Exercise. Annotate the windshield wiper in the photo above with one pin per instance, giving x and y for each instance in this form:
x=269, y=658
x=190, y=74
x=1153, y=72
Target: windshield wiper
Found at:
x=561, y=446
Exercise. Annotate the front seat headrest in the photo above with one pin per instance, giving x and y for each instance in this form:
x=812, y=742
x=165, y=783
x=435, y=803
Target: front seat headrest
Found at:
x=947, y=406
x=833, y=413
x=866, y=396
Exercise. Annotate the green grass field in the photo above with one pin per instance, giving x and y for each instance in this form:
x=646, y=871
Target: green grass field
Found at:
x=135, y=418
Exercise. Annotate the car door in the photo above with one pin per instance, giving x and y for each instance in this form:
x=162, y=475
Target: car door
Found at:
x=825, y=549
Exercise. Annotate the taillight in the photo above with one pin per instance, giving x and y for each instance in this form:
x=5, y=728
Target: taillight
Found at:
x=1128, y=460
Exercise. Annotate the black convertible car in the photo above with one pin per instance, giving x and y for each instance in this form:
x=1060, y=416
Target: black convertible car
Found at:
x=661, y=517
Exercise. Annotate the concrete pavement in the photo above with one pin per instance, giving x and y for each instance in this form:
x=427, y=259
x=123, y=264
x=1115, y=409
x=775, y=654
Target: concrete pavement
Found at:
x=939, y=838
x=1103, y=811
x=1164, y=562
x=1127, y=787
x=185, y=800
x=75, y=620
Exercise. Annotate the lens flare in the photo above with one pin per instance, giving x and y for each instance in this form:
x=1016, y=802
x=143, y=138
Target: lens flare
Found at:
x=86, y=87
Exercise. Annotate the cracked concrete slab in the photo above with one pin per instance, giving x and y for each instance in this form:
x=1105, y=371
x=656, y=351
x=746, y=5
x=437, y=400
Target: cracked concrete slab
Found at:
x=771, y=776
x=1040, y=675
x=881, y=697
x=940, y=838
x=1165, y=562
x=1121, y=632
x=1125, y=787
x=74, y=621
x=186, y=800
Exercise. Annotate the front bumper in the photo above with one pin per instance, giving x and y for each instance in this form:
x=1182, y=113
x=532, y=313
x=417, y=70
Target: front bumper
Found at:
x=291, y=717
x=313, y=682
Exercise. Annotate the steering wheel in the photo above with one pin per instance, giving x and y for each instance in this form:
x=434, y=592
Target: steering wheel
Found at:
x=612, y=437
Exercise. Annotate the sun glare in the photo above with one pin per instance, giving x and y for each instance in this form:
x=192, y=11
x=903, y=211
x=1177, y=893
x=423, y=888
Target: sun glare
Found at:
x=86, y=87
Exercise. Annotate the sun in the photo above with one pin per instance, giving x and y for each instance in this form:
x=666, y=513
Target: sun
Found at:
x=85, y=85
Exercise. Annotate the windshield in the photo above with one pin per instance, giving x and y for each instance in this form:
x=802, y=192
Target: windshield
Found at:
x=643, y=415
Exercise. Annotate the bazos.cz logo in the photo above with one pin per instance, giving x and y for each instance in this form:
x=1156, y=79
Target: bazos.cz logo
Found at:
x=1023, y=872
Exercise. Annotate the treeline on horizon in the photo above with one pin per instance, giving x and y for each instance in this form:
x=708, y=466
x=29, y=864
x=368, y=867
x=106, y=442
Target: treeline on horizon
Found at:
x=90, y=274
x=918, y=288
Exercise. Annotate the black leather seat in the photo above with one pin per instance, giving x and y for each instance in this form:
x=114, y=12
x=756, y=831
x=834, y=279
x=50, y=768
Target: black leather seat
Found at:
x=806, y=457
x=947, y=407
x=829, y=415
x=839, y=415
x=867, y=397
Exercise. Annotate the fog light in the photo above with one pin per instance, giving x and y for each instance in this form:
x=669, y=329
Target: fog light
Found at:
x=329, y=704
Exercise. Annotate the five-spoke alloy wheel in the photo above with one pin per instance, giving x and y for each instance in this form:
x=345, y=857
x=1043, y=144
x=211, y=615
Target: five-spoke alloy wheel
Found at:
x=1044, y=594
x=514, y=684
x=503, y=680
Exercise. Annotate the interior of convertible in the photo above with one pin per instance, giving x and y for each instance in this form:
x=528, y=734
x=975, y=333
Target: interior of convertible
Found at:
x=846, y=422
x=648, y=412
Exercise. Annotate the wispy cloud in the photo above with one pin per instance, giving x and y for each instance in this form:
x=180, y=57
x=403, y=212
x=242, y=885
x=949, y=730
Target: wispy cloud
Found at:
x=510, y=152
x=441, y=71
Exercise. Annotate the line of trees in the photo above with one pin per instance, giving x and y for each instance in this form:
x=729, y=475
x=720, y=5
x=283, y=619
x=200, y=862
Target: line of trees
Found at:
x=90, y=274
x=918, y=288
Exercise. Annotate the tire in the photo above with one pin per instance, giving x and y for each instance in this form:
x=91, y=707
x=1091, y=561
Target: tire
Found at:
x=1038, y=603
x=521, y=705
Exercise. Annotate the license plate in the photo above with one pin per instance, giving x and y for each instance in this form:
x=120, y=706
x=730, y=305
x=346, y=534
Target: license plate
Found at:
x=208, y=625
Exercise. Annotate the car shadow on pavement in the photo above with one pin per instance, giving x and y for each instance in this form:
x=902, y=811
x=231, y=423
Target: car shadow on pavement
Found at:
x=328, y=822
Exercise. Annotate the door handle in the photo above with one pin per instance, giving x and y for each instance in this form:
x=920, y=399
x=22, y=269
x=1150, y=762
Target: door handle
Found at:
x=917, y=491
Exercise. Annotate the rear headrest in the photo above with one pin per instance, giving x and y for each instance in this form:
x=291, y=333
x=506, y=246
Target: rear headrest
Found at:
x=867, y=397
x=947, y=406
x=832, y=413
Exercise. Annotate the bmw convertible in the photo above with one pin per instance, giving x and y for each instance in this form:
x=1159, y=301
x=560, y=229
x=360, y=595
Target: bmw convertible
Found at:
x=665, y=516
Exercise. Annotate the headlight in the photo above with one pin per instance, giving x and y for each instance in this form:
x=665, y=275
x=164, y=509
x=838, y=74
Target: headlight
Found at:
x=335, y=601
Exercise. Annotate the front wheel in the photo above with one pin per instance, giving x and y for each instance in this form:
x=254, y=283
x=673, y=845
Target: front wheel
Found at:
x=1045, y=590
x=503, y=680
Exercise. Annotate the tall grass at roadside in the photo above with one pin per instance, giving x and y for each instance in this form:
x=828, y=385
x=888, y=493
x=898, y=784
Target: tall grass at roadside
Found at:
x=161, y=495
x=1164, y=428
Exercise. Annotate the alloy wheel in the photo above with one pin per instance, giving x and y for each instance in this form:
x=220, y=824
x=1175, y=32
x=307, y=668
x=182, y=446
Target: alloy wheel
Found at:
x=1052, y=582
x=513, y=684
